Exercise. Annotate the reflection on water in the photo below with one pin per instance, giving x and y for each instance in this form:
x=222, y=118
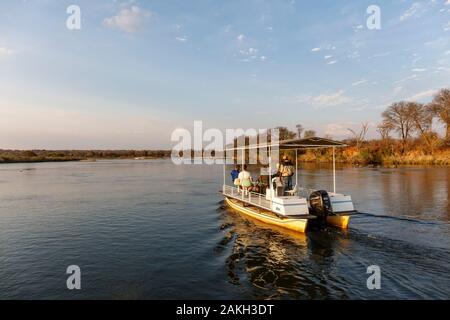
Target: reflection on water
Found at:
x=405, y=232
x=329, y=263
x=149, y=229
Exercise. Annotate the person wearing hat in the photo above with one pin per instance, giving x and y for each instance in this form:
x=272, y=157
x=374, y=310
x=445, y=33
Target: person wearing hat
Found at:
x=287, y=172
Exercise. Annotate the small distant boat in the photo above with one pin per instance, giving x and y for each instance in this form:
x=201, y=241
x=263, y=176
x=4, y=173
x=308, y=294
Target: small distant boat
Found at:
x=298, y=208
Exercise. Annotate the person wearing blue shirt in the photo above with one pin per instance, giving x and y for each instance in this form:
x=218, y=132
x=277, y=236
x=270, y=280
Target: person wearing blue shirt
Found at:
x=234, y=174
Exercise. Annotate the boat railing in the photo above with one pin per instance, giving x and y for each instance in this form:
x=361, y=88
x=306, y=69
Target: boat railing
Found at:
x=249, y=197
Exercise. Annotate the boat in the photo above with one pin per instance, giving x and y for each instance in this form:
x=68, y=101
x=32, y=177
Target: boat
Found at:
x=296, y=209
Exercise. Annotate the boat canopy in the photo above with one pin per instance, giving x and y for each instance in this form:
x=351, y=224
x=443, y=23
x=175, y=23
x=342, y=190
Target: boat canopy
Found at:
x=293, y=144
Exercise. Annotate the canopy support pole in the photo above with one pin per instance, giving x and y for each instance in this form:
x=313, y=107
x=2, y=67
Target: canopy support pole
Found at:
x=224, y=170
x=242, y=168
x=270, y=176
x=296, y=169
x=334, y=171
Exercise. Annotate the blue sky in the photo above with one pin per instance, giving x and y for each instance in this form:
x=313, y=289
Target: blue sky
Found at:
x=137, y=70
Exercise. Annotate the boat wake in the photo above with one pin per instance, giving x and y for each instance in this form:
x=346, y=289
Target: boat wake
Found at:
x=399, y=218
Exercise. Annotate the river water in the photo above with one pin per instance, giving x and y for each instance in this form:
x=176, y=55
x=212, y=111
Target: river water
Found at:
x=153, y=230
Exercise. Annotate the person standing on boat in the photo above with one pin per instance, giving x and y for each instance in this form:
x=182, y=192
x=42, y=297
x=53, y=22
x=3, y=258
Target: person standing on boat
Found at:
x=245, y=179
x=234, y=174
x=287, y=172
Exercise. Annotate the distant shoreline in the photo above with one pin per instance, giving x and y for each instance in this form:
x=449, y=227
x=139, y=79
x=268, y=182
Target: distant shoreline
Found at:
x=73, y=160
x=365, y=156
x=37, y=156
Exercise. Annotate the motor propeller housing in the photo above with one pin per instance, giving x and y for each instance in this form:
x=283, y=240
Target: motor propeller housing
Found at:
x=320, y=205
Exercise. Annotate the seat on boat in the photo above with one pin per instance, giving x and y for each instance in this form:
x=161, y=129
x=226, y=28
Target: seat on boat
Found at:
x=293, y=191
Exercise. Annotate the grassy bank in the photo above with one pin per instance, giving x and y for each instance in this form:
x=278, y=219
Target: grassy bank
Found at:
x=16, y=156
x=372, y=155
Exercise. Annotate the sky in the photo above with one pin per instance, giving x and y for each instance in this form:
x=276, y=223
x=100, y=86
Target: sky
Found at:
x=138, y=70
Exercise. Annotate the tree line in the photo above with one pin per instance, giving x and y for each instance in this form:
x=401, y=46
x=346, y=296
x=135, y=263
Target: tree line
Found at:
x=406, y=136
x=408, y=118
x=76, y=155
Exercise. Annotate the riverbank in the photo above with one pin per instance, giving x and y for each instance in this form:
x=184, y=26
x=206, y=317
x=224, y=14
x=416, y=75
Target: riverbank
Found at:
x=375, y=156
x=31, y=156
x=348, y=155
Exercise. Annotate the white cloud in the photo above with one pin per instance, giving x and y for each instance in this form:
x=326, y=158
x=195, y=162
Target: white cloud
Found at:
x=325, y=100
x=240, y=38
x=328, y=57
x=422, y=95
x=447, y=3
x=129, y=19
x=4, y=52
x=411, y=11
x=248, y=52
x=439, y=42
x=251, y=54
x=357, y=83
x=411, y=77
x=381, y=54
x=419, y=70
x=398, y=89
x=358, y=28
x=328, y=47
x=414, y=62
x=446, y=26
x=181, y=39
x=353, y=55
x=332, y=62
x=227, y=28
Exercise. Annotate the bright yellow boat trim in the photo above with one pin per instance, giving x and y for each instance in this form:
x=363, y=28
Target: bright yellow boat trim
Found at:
x=298, y=225
x=338, y=221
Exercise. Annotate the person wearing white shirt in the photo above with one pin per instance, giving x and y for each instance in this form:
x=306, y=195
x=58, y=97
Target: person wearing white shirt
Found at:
x=245, y=178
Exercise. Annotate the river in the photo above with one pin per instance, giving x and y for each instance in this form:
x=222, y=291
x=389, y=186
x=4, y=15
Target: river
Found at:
x=148, y=229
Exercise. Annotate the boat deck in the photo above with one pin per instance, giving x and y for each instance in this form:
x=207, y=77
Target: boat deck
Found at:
x=257, y=200
x=253, y=198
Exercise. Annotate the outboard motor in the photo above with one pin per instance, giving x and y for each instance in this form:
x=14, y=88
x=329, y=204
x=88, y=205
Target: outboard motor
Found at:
x=320, y=204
